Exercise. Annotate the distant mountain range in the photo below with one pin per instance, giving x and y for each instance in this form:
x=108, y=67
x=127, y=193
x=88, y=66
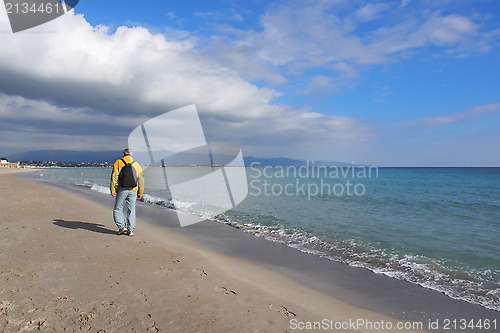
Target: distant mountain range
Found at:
x=111, y=155
x=284, y=161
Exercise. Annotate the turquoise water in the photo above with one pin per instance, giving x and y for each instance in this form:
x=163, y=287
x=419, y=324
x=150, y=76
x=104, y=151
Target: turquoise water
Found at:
x=437, y=227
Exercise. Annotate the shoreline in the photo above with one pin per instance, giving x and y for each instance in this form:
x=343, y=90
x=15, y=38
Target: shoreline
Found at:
x=220, y=228
x=64, y=267
x=358, y=286
x=274, y=270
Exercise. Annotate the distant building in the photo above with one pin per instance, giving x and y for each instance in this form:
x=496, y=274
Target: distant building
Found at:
x=6, y=164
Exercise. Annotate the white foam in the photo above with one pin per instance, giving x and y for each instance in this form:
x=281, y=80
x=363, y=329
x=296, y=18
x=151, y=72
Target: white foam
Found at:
x=100, y=189
x=152, y=199
x=414, y=269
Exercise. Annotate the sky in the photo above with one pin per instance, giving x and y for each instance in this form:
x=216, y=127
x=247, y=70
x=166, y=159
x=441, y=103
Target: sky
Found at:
x=390, y=83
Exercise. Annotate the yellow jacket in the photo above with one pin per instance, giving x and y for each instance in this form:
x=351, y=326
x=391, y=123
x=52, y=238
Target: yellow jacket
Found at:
x=117, y=167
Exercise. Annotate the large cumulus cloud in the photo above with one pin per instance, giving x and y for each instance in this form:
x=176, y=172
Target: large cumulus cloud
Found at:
x=68, y=78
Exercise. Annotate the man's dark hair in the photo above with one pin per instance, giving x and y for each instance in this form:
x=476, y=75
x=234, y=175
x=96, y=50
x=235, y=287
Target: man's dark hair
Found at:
x=127, y=151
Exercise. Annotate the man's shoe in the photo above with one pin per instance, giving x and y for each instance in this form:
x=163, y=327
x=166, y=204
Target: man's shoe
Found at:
x=130, y=233
x=122, y=231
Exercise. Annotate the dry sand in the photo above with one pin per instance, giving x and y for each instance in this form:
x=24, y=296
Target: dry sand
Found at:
x=62, y=267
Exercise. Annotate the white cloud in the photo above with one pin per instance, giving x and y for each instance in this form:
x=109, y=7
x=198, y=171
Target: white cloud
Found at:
x=320, y=84
x=345, y=69
x=230, y=15
x=307, y=36
x=327, y=84
x=467, y=114
x=297, y=36
x=79, y=80
x=76, y=77
x=238, y=59
x=130, y=70
x=404, y=3
x=447, y=32
x=371, y=11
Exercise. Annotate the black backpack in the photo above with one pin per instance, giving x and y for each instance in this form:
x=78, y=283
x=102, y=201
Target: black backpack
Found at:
x=128, y=175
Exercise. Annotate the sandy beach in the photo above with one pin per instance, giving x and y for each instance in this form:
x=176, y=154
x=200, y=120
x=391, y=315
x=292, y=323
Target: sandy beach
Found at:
x=63, y=267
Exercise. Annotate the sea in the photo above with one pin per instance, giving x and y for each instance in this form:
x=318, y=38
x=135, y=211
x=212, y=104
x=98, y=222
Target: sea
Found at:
x=435, y=227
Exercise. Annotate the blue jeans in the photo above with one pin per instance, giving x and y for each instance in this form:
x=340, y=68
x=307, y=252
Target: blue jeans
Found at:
x=125, y=199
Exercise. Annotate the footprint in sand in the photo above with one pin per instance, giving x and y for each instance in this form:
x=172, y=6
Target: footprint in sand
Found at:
x=200, y=271
x=5, y=307
x=225, y=291
x=32, y=325
x=283, y=310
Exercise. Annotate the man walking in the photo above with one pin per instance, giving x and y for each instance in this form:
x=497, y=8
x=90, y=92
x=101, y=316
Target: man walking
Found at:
x=127, y=185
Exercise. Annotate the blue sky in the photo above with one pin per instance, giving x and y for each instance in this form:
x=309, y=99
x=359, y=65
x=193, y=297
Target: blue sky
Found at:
x=400, y=83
